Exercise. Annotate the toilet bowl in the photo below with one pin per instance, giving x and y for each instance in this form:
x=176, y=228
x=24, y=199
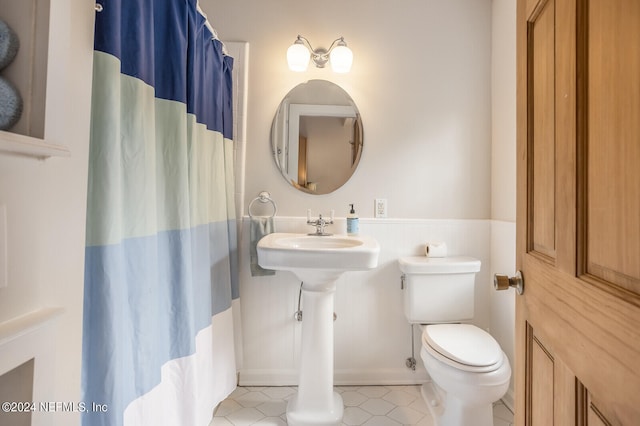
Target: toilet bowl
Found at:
x=468, y=369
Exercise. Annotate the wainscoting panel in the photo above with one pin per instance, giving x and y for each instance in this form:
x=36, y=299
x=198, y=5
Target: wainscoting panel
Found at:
x=372, y=336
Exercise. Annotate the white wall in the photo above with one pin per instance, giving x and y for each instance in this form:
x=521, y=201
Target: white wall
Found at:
x=45, y=201
x=503, y=105
x=420, y=78
x=503, y=173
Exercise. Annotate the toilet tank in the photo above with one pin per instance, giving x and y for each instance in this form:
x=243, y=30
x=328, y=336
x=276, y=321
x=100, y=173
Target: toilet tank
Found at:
x=438, y=290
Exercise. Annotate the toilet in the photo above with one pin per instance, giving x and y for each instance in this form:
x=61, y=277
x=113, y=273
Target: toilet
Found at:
x=468, y=369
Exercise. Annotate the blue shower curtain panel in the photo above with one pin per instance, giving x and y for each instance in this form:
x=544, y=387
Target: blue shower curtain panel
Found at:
x=161, y=268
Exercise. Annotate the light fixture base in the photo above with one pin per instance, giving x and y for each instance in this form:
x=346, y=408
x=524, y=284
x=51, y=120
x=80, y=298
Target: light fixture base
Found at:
x=320, y=57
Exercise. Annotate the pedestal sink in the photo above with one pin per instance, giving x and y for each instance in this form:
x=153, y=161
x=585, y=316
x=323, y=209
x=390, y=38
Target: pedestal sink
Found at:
x=318, y=261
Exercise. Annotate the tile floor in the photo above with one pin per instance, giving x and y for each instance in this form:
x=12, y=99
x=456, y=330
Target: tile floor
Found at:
x=364, y=405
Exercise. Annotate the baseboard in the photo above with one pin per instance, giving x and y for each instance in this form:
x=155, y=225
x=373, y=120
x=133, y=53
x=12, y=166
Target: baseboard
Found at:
x=510, y=400
x=403, y=376
x=268, y=377
x=340, y=378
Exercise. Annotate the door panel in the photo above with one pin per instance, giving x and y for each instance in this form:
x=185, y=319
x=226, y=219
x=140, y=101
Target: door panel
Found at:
x=542, y=116
x=541, y=365
x=613, y=201
x=595, y=418
x=578, y=212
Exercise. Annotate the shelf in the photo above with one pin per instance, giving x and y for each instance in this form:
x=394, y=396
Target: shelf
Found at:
x=39, y=73
x=25, y=324
x=30, y=146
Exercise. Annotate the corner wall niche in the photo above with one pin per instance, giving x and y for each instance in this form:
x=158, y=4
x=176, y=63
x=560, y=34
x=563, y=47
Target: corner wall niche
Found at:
x=17, y=386
x=38, y=73
x=27, y=361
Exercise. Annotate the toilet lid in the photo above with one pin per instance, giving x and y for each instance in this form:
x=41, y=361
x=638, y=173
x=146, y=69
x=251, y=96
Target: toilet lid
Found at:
x=463, y=343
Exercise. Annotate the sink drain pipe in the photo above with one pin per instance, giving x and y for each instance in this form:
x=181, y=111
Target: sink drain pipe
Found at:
x=298, y=314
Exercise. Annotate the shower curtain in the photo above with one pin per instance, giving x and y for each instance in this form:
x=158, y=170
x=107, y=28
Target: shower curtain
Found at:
x=161, y=264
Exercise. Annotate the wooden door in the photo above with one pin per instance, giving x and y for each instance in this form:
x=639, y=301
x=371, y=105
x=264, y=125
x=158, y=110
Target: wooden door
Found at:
x=578, y=214
x=302, y=161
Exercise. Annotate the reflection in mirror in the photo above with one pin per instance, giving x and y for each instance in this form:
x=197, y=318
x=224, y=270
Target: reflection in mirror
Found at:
x=316, y=137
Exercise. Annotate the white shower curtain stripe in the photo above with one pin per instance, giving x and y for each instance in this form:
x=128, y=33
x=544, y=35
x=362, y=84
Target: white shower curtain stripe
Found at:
x=161, y=262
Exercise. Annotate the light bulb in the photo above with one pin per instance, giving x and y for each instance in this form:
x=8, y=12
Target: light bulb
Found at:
x=341, y=58
x=298, y=57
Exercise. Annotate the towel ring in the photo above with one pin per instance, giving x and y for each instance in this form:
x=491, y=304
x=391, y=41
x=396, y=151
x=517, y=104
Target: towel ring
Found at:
x=264, y=197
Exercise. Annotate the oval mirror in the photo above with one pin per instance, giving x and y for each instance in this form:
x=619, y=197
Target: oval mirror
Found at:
x=316, y=137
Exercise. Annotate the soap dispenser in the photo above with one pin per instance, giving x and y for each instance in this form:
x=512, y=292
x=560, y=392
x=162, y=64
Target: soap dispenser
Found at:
x=352, y=222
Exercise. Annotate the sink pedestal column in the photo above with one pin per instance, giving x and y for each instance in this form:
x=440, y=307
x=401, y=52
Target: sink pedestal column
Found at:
x=316, y=403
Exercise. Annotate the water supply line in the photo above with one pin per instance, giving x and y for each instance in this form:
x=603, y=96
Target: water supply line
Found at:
x=411, y=361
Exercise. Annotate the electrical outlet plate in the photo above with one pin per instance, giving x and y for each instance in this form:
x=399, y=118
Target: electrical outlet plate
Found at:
x=380, y=209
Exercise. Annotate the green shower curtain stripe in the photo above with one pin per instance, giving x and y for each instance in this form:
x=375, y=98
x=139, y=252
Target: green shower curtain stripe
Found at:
x=208, y=149
x=149, y=170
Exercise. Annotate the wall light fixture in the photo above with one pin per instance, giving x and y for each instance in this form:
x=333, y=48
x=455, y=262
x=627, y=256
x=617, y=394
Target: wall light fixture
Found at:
x=300, y=52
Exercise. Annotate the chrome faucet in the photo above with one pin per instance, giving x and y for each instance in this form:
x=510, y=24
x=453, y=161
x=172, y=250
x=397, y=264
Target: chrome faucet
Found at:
x=320, y=223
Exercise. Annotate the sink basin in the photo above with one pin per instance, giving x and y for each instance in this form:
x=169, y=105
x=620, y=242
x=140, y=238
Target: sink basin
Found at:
x=287, y=251
x=318, y=243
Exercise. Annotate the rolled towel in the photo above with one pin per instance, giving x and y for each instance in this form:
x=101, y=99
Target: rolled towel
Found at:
x=259, y=227
x=9, y=44
x=10, y=105
x=436, y=249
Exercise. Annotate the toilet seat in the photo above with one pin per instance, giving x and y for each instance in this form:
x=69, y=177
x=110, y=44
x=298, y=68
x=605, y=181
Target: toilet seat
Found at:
x=463, y=346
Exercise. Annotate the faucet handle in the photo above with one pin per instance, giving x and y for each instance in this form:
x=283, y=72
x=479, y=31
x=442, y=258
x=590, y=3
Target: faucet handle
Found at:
x=319, y=223
x=319, y=219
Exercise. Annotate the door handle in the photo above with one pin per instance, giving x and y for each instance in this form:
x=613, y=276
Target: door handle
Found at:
x=503, y=282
